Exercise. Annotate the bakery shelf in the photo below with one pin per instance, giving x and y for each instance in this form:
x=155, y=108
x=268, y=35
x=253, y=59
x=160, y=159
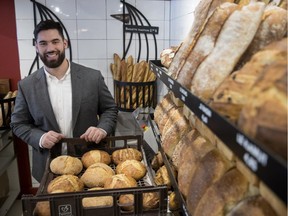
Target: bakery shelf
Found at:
x=270, y=168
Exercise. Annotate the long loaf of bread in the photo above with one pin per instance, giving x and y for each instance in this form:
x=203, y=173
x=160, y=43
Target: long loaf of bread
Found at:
x=234, y=38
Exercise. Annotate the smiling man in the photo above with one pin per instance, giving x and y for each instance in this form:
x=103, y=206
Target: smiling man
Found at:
x=61, y=99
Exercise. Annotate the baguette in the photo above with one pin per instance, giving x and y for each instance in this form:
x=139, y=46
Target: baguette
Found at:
x=234, y=38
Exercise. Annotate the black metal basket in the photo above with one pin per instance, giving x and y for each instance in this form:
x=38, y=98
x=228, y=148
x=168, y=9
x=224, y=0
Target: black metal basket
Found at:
x=6, y=108
x=131, y=95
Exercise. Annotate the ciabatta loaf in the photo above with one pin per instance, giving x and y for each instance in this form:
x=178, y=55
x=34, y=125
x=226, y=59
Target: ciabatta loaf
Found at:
x=234, y=38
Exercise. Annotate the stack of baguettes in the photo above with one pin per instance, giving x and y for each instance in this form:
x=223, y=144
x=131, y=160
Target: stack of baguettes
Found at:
x=128, y=71
x=227, y=60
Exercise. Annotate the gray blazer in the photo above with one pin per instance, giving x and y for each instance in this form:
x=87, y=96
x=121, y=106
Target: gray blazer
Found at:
x=92, y=105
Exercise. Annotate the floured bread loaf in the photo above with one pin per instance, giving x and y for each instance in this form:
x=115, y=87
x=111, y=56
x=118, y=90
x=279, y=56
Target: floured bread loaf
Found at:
x=97, y=201
x=186, y=140
x=202, y=11
x=126, y=154
x=167, y=55
x=210, y=169
x=120, y=181
x=96, y=175
x=175, y=128
x=65, y=183
x=162, y=176
x=225, y=192
x=133, y=168
x=256, y=206
x=205, y=43
x=95, y=156
x=157, y=161
x=190, y=157
x=264, y=117
x=230, y=97
x=65, y=164
x=234, y=38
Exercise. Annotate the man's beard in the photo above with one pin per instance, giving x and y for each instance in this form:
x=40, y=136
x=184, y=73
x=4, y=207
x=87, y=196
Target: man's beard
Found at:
x=54, y=63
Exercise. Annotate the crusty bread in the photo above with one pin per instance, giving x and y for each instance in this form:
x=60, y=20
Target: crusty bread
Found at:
x=174, y=203
x=185, y=141
x=234, y=38
x=126, y=154
x=96, y=175
x=189, y=158
x=120, y=181
x=97, y=201
x=65, y=183
x=202, y=11
x=162, y=177
x=42, y=208
x=227, y=191
x=157, y=161
x=260, y=120
x=272, y=28
x=230, y=97
x=256, y=206
x=210, y=169
x=205, y=42
x=65, y=164
x=133, y=168
x=95, y=156
x=167, y=55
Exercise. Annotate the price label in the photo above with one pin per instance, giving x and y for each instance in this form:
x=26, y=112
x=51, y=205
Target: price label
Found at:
x=206, y=113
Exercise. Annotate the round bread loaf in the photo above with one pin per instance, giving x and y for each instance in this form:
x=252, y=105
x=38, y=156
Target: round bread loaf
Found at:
x=95, y=156
x=120, y=181
x=133, y=168
x=65, y=183
x=66, y=164
x=97, y=201
x=162, y=176
x=97, y=174
x=42, y=209
x=126, y=154
x=150, y=201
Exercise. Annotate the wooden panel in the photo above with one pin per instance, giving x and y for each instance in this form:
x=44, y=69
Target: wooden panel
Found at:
x=4, y=86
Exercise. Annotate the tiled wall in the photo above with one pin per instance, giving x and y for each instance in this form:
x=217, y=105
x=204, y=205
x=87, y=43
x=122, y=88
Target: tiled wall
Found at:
x=95, y=35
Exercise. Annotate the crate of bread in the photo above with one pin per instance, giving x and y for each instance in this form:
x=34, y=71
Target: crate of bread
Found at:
x=134, y=84
x=110, y=178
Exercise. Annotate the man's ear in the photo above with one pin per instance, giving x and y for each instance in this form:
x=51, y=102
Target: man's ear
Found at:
x=66, y=44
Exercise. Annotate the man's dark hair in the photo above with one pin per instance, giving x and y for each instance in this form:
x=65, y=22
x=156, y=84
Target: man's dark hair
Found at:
x=46, y=25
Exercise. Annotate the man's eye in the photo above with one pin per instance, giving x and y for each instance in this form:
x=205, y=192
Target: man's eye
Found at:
x=42, y=44
x=55, y=42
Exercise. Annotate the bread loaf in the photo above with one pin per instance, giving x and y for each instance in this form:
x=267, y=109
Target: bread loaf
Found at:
x=167, y=55
x=256, y=206
x=96, y=175
x=272, y=28
x=42, y=208
x=65, y=164
x=133, y=168
x=95, y=156
x=120, y=181
x=150, y=201
x=230, y=97
x=210, y=169
x=225, y=192
x=264, y=117
x=174, y=203
x=189, y=158
x=126, y=154
x=157, y=161
x=65, y=183
x=162, y=177
x=205, y=42
x=97, y=201
x=234, y=38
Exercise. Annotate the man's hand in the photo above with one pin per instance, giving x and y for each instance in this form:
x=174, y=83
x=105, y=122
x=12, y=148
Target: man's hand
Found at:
x=94, y=134
x=50, y=139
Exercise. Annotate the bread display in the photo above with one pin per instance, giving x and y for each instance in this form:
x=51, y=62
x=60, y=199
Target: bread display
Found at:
x=190, y=158
x=120, y=181
x=97, y=201
x=133, y=168
x=65, y=164
x=96, y=175
x=228, y=190
x=65, y=183
x=230, y=97
x=205, y=42
x=210, y=169
x=255, y=205
x=95, y=156
x=126, y=154
x=236, y=34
